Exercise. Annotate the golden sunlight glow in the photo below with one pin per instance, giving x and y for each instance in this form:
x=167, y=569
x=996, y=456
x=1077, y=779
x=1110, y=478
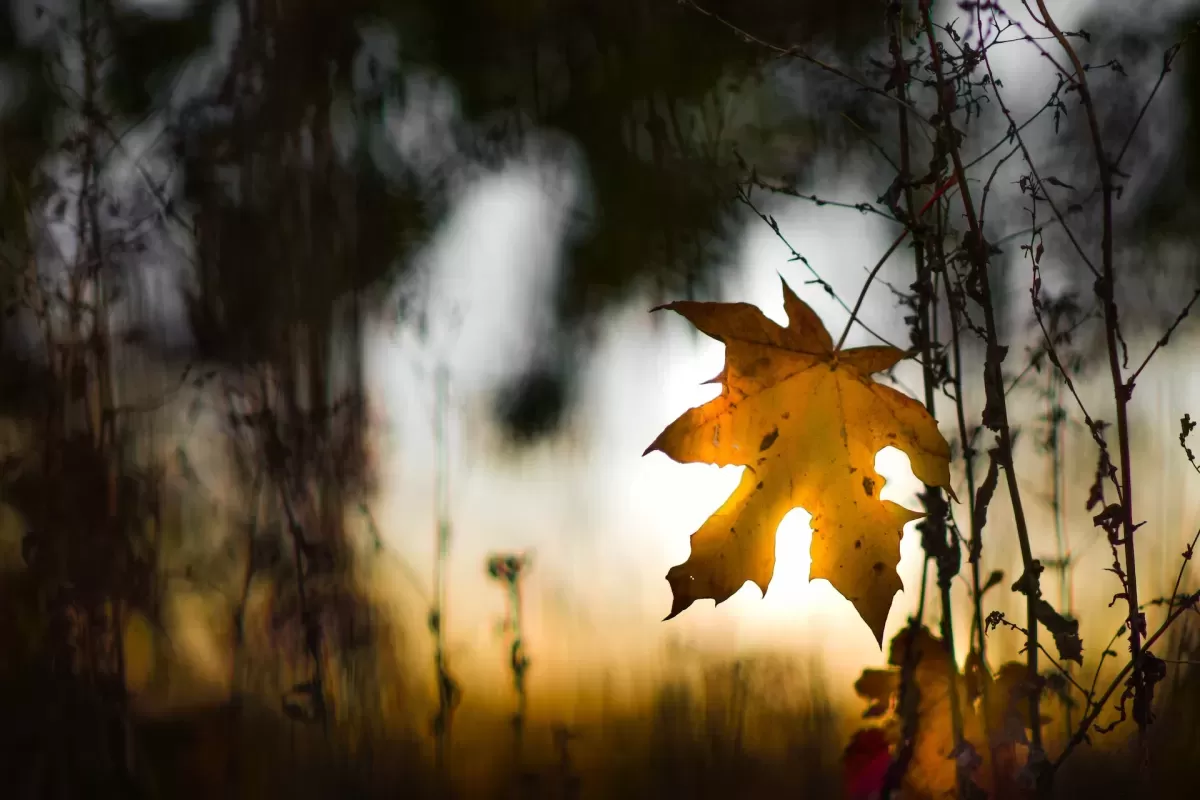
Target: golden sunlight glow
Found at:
x=606, y=524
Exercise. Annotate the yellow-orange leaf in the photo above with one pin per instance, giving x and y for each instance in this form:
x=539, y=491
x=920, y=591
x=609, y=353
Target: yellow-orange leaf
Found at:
x=992, y=756
x=806, y=420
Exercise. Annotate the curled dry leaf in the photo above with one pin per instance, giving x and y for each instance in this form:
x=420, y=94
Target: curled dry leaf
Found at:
x=995, y=717
x=806, y=420
x=865, y=764
x=932, y=772
x=879, y=686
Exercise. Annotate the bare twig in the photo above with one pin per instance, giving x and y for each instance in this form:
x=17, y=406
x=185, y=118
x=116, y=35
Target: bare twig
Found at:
x=1106, y=289
x=883, y=260
x=1015, y=132
x=1168, y=61
x=791, y=191
x=996, y=414
x=802, y=55
x=934, y=534
x=1187, y=559
x=1098, y=706
x=744, y=197
x=1163, y=340
x=871, y=141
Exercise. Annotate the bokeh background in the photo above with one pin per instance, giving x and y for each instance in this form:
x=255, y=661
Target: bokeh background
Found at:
x=426, y=237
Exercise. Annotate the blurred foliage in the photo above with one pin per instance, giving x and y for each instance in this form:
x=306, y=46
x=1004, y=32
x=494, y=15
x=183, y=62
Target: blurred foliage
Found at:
x=649, y=92
x=297, y=223
x=1161, y=165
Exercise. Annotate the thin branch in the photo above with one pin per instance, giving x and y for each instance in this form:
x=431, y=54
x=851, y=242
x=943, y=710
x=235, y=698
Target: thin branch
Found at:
x=1106, y=288
x=1032, y=362
x=934, y=536
x=1187, y=558
x=1014, y=130
x=997, y=403
x=790, y=191
x=1016, y=134
x=1162, y=342
x=883, y=260
x=870, y=140
x=797, y=53
x=1168, y=60
x=744, y=197
x=1081, y=733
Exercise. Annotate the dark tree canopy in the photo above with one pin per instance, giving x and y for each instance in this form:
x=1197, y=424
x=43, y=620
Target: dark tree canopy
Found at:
x=640, y=88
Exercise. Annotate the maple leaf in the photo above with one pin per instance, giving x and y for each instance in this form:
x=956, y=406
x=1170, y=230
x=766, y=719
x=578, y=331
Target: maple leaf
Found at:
x=930, y=772
x=993, y=755
x=806, y=420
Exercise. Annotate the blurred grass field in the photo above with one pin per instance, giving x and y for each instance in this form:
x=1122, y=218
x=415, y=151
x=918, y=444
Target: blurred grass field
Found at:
x=701, y=725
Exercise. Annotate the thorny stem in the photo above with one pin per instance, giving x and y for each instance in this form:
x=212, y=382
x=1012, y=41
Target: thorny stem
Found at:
x=995, y=388
x=1066, y=673
x=926, y=296
x=975, y=545
x=1122, y=391
x=791, y=191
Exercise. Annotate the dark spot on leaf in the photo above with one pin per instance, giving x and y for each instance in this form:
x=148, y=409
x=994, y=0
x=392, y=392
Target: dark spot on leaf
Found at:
x=869, y=485
x=760, y=485
x=858, y=544
x=853, y=470
x=878, y=567
x=751, y=369
x=762, y=461
x=769, y=440
x=787, y=415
